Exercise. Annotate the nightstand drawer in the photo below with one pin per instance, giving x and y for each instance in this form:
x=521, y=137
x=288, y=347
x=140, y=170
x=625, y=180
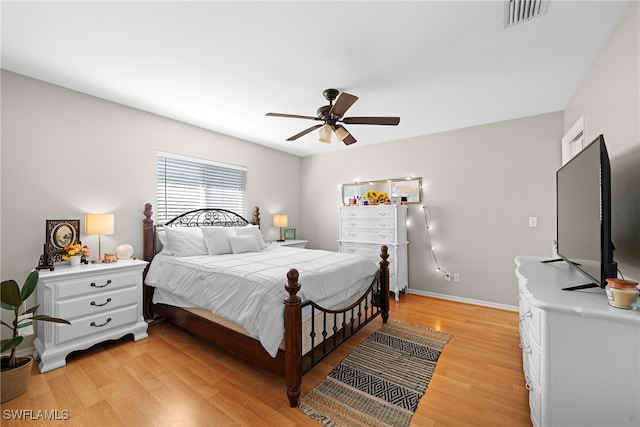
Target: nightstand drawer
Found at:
x=95, y=324
x=94, y=284
x=91, y=304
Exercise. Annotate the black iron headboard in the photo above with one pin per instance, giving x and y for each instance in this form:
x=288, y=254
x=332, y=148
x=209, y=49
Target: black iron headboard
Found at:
x=210, y=217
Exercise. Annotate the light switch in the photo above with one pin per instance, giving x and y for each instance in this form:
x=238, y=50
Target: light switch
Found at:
x=533, y=221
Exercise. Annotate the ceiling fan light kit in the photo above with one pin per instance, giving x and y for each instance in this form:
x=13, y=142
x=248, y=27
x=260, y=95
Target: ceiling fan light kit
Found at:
x=332, y=114
x=325, y=134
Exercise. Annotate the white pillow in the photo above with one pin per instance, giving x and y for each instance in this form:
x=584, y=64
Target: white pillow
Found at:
x=216, y=239
x=242, y=244
x=251, y=230
x=162, y=236
x=186, y=241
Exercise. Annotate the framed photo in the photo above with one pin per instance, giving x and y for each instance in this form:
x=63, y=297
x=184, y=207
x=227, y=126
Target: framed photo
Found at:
x=58, y=234
x=289, y=234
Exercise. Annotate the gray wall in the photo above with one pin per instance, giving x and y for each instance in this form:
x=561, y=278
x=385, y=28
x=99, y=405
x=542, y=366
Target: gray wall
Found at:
x=481, y=184
x=65, y=153
x=609, y=98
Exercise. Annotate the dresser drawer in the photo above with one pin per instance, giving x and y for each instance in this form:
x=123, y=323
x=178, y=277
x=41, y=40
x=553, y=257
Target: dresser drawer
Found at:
x=94, y=284
x=535, y=401
x=530, y=317
x=95, y=324
x=375, y=223
x=370, y=235
x=368, y=212
x=531, y=358
x=91, y=304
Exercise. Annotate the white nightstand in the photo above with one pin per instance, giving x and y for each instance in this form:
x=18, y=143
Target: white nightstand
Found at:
x=102, y=302
x=294, y=243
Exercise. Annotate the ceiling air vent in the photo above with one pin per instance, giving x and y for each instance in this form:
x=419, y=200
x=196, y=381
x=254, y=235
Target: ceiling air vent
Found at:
x=517, y=11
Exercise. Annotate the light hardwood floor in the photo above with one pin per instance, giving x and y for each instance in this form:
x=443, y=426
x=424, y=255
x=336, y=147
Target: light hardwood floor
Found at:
x=173, y=378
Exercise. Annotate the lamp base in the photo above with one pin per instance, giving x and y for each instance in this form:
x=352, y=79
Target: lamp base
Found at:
x=280, y=240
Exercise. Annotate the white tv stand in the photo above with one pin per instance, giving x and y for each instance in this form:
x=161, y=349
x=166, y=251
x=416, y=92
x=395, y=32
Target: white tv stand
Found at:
x=581, y=357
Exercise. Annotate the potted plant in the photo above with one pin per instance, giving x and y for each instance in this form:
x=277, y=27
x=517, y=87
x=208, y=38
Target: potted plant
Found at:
x=15, y=371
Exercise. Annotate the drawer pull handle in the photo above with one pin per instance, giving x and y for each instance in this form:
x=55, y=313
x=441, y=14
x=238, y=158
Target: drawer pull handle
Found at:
x=100, y=326
x=100, y=305
x=101, y=286
x=527, y=314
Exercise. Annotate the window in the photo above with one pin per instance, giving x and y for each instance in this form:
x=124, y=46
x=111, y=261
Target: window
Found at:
x=187, y=183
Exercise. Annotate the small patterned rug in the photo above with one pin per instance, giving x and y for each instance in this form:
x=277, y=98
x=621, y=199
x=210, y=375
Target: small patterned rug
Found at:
x=381, y=382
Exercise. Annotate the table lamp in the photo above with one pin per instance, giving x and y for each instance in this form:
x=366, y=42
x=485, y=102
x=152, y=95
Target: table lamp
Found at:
x=98, y=224
x=281, y=221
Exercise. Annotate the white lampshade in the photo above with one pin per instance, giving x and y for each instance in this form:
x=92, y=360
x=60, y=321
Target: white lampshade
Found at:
x=98, y=224
x=280, y=220
x=325, y=134
x=341, y=132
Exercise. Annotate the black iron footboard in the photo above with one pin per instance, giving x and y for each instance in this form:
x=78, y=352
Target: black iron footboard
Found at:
x=337, y=326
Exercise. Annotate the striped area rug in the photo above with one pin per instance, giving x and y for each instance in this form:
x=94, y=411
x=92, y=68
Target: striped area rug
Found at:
x=381, y=382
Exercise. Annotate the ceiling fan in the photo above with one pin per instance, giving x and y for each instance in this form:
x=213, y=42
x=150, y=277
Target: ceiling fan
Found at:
x=331, y=115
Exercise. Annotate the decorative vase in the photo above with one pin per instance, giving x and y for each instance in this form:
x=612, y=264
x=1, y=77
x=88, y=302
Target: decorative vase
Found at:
x=75, y=260
x=14, y=382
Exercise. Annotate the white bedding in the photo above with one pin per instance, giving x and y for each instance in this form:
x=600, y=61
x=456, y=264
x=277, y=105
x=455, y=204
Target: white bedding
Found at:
x=248, y=288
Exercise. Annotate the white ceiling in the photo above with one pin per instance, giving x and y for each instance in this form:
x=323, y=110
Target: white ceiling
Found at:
x=439, y=65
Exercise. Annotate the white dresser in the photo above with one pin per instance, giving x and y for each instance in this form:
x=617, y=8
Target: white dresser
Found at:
x=581, y=357
x=364, y=229
x=102, y=302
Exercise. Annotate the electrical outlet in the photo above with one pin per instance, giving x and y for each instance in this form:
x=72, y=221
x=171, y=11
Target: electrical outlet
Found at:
x=447, y=277
x=456, y=277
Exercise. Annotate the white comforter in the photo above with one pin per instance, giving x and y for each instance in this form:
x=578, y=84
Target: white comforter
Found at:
x=249, y=288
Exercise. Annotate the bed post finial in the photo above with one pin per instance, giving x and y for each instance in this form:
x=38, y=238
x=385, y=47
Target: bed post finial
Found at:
x=293, y=338
x=384, y=282
x=256, y=216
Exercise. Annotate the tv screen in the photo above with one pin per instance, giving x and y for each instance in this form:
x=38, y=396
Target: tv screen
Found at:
x=584, y=213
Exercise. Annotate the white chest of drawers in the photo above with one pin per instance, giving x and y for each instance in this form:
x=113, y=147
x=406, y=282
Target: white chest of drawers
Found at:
x=580, y=356
x=364, y=229
x=102, y=302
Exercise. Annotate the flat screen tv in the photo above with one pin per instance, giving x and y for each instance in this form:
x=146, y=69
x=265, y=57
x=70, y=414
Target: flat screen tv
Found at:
x=583, y=190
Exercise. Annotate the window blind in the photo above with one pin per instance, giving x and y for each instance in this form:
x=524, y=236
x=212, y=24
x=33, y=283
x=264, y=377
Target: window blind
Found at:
x=187, y=183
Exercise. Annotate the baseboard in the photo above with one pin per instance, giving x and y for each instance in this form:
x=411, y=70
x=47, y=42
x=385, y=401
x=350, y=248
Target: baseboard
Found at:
x=465, y=300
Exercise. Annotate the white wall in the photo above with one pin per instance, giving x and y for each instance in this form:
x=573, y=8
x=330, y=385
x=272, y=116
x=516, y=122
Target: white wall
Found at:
x=609, y=98
x=481, y=185
x=65, y=153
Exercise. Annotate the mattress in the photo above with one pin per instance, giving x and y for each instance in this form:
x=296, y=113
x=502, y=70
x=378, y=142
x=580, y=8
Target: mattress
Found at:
x=248, y=288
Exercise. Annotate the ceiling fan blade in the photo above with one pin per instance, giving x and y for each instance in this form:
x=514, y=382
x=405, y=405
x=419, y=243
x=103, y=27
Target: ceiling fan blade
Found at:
x=349, y=139
x=292, y=116
x=304, y=132
x=387, y=121
x=343, y=103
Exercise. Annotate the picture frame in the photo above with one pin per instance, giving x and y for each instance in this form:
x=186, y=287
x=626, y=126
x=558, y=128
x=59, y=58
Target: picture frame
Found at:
x=58, y=234
x=289, y=234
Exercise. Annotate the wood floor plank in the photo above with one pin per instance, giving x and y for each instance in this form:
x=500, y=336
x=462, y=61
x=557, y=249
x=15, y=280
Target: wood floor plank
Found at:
x=173, y=378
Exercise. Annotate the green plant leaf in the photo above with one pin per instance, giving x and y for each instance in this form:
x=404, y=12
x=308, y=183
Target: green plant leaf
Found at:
x=10, y=343
x=32, y=309
x=46, y=318
x=10, y=294
x=29, y=285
